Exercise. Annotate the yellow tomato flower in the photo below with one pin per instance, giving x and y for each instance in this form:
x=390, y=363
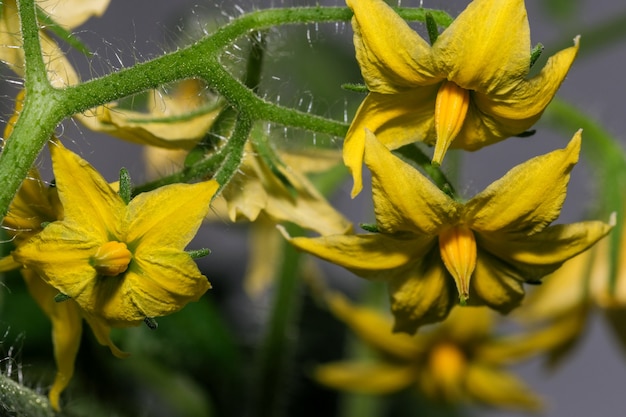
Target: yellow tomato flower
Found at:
x=488, y=246
x=460, y=360
x=36, y=204
x=469, y=90
x=66, y=13
x=122, y=263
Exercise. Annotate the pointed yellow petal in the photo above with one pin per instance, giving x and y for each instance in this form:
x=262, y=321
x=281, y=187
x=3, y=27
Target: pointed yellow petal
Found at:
x=405, y=200
x=396, y=120
x=365, y=378
x=92, y=205
x=374, y=328
x=66, y=331
x=528, y=197
x=542, y=253
x=497, y=388
x=265, y=245
x=8, y=264
x=422, y=293
x=168, y=216
x=372, y=256
x=102, y=333
x=529, y=98
x=487, y=47
x=392, y=56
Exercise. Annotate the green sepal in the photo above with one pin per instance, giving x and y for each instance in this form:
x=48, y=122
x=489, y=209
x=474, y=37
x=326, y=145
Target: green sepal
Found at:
x=431, y=27
x=356, y=87
x=535, y=53
x=52, y=26
x=126, y=188
x=369, y=227
x=199, y=253
x=60, y=297
x=151, y=323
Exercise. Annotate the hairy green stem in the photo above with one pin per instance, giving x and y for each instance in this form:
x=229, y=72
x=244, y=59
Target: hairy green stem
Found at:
x=17, y=400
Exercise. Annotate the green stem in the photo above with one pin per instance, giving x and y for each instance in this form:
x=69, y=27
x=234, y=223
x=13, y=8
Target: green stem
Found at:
x=273, y=362
x=17, y=400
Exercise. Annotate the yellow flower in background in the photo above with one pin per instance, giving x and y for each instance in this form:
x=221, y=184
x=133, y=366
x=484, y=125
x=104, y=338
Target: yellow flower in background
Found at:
x=459, y=360
x=428, y=243
x=174, y=121
x=66, y=13
x=122, y=263
x=469, y=90
x=270, y=187
x=36, y=204
x=559, y=310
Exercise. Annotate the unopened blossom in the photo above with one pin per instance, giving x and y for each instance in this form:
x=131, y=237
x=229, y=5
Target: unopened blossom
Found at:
x=468, y=90
x=433, y=250
x=459, y=361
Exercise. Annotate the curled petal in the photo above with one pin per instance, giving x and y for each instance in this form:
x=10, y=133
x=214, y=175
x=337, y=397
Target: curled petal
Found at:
x=396, y=120
x=495, y=284
x=487, y=47
x=530, y=97
x=392, y=56
x=422, y=293
x=405, y=200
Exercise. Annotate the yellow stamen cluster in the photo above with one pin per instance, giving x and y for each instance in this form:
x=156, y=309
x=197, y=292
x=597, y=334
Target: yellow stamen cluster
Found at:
x=458, y=252
x=111, y=259
x=451, y=108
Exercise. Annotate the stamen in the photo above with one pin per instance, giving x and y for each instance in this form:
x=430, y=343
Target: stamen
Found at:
x=458, y=252
x=447, y=365
x=111, y=259
x=451, y=108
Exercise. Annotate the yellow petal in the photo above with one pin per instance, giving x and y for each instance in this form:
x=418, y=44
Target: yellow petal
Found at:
x=487, y=47
x=168, y=216
x=495, y=284
x=529, y=98
x=374, y=328
x=102, y=333
x=396, y=120
x=90, y=203
x=72, y=13
x=405, y=200
x=392, y=56
x=66, y=331
x=146, y=129
x=265, y=245
x=422, y=293
x=372, y=256
x=8, y=264
x=544, y=252
x=497, y=388
x=365, y=378
x=528, y=197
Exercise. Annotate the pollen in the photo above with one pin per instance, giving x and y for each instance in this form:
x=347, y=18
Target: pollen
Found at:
x=111, y=259
x=451, y=108
x=458, y=252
